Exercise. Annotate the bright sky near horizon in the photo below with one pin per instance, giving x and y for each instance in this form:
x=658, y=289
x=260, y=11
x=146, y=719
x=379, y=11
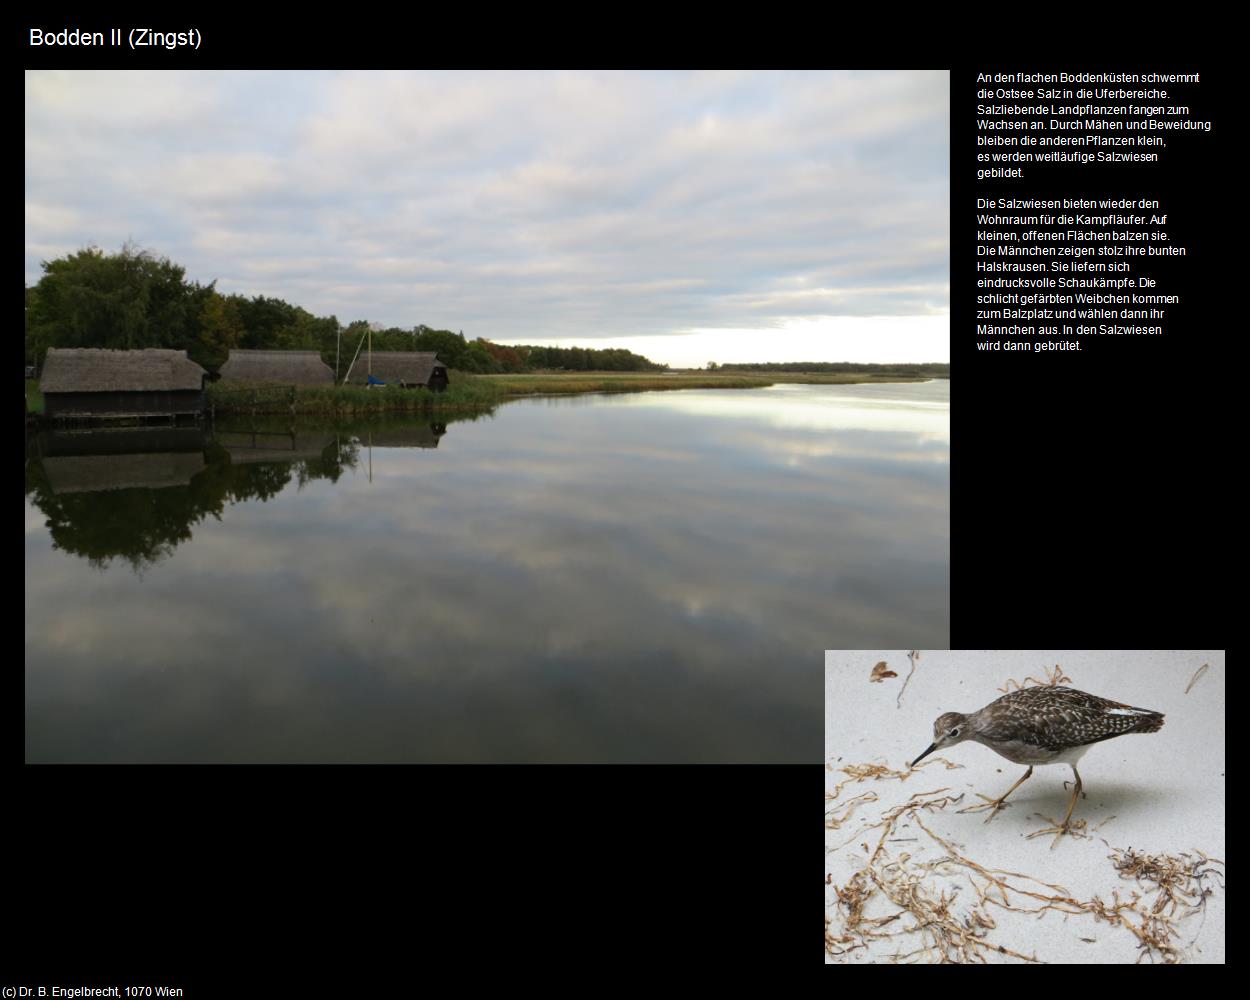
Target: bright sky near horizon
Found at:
x=692, y=217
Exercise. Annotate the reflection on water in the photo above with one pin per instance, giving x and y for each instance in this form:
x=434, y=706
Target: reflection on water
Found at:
x=921, y=408
x=144, y=489
x=649, y=577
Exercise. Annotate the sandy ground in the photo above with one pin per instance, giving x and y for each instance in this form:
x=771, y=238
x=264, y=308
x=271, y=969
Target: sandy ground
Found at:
x=1158, y=793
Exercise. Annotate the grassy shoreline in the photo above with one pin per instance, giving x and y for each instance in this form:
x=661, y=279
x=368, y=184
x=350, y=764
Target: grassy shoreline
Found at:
x=463, y=395
x=563, y=383
x=556, y=383
x=477, y=393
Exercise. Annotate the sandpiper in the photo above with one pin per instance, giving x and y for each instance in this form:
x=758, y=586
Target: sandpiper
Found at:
x=1041, y=725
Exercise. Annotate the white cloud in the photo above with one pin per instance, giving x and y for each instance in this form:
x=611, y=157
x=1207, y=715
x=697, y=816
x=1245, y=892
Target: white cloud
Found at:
x=522, y=207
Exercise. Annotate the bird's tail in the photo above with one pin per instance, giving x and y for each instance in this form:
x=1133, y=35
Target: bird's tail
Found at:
x=1150, y=723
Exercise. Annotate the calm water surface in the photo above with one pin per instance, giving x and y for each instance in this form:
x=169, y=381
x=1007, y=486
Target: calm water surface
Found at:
x=648, y=577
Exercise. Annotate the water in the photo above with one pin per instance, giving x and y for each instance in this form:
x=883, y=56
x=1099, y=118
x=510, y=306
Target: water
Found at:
x=646, y=577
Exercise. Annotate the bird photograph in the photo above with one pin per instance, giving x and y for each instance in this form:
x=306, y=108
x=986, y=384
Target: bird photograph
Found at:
x=1041, y=725
x=950, y=855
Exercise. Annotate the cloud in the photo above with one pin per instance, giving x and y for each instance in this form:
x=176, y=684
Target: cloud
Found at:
x=515, y=206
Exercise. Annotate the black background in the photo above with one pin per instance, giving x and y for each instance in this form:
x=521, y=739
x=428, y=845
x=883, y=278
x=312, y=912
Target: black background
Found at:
x=1088, y=510
x=1089, y=489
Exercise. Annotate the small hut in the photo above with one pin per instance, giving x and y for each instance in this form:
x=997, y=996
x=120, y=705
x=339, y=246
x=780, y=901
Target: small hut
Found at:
x=403, y=368
x=277, y=368
x=103, y=384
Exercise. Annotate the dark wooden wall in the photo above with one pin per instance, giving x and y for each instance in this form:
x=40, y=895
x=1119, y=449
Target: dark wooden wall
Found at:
x=59, y=404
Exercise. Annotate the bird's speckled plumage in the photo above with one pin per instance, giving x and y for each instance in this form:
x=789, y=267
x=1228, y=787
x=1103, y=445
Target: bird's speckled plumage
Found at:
x=1056, y=718
x=1039, y=725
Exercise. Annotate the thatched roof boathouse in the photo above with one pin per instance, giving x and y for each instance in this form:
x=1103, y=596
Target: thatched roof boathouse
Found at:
x=89, y=383
x=277, y=368
x=404, y=368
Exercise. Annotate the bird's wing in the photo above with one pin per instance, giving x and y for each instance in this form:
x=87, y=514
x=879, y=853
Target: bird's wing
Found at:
x=1058, y=717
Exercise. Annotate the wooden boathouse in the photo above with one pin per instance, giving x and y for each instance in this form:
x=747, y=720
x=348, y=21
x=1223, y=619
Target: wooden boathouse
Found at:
x=277, y=368
x=97, y=384
x=403, y=368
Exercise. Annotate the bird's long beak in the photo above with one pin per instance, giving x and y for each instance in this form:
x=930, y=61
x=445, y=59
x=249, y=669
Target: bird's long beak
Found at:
x=932, y=747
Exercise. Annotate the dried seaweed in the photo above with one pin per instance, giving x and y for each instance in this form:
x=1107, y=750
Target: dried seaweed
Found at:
x=913, y=655
x=1075, y=828
x=897, y=896
x=1193, y=680
x=1180, y=891
x=833, y=821
x=861, y=772
x=880, y=672
x=1057, y=676
x=945, y=936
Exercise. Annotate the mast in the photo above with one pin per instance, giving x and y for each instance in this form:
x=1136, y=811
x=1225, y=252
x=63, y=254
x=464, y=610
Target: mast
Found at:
x=359, y=344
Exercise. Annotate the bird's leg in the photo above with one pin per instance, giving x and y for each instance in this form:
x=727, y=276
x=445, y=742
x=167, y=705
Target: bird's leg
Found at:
x=1075, y=793
x=1060, y=830
x=996, y=804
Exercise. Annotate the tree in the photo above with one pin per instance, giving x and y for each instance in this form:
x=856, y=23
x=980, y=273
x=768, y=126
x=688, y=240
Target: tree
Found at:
x=221, y=329
x=264, y=321
x=450, y=347
x=478, y=359
x=126, y=300
x=506, y=358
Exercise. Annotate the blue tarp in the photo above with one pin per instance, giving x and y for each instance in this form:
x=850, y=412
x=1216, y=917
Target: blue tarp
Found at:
x=374, y=380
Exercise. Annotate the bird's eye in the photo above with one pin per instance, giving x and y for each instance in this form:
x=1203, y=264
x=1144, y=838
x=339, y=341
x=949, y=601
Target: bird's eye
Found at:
x=954, y=732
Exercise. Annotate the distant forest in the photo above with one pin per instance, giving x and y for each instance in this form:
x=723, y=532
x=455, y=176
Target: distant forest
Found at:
x=932, y=369
x=132, y=299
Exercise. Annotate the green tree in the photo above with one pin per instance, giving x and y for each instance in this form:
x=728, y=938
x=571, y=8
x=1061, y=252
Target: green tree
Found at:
x=477, y=358
x=450, y=347
x=264, y=322
x=220, y=329
x=126, y=300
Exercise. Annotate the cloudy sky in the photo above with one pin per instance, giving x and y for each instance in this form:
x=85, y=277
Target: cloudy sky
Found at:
x=689, y=216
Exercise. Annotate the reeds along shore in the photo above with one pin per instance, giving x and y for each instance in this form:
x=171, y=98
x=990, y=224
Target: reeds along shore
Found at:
x=466, y=392
x=463, y=394
x=571, y=382
x=481, y=392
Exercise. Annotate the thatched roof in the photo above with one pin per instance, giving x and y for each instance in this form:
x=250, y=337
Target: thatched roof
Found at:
x=283, y=367
x=413, y=367
x=94, y=370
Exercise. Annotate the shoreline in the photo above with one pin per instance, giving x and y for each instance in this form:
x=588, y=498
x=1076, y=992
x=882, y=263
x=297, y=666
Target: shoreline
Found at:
x=482, y=393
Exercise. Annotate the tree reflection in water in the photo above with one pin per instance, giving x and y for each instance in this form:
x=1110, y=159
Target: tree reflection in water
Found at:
x=136, y=494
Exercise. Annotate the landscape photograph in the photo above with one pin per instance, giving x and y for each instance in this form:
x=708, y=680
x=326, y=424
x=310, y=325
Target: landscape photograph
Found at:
x=477, y=417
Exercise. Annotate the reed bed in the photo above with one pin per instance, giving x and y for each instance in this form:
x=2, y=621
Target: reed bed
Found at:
x=574, y=382
x=464, y=394
x=34, y=398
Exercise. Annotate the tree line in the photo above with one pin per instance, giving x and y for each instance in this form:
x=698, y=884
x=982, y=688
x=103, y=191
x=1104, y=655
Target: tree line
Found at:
x=133, y=299
x=931, y=369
